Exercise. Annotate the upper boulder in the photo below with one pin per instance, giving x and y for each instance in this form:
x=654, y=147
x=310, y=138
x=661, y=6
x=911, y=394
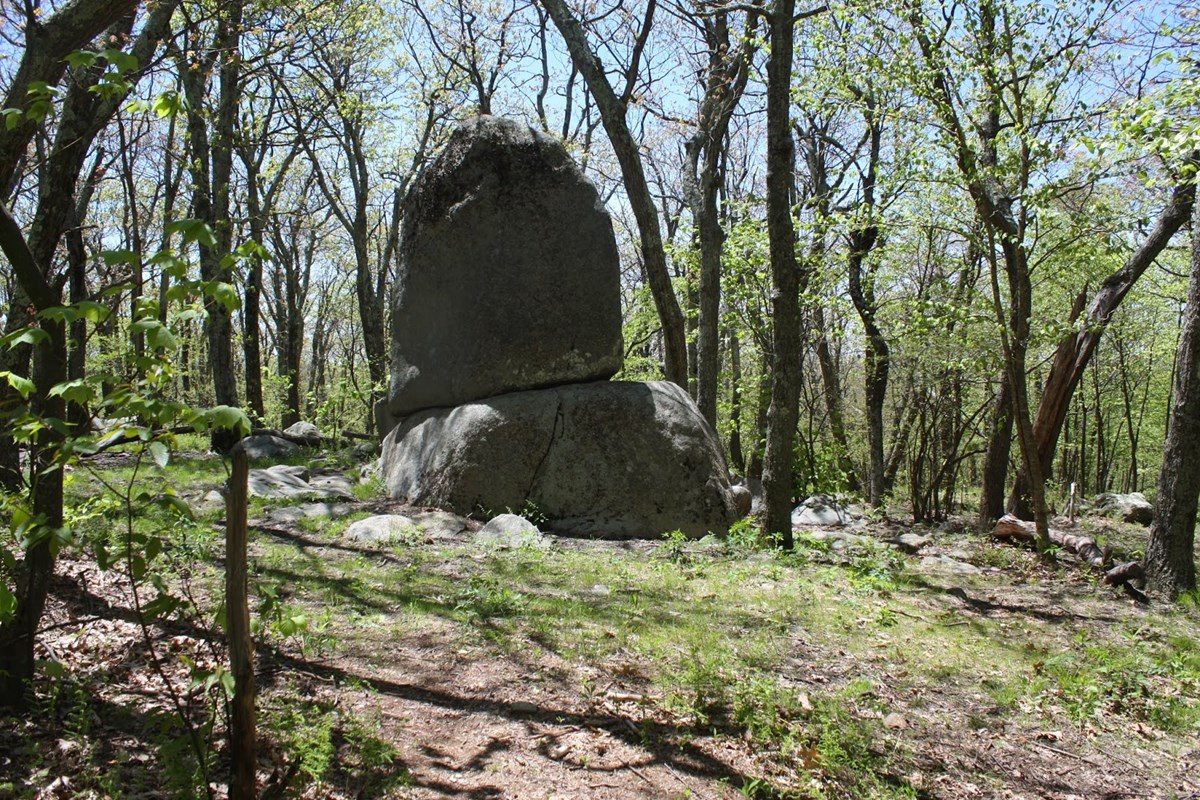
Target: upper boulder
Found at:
x=509, y=275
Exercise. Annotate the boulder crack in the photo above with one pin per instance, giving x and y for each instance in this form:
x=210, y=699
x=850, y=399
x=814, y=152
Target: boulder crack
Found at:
x=555, y=432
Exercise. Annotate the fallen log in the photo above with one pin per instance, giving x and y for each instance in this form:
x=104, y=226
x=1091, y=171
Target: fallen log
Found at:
x=1010, y=528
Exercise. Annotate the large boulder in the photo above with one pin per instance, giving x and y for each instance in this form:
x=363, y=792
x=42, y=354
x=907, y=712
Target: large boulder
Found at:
x=1132, y=507
x=509, y=274
x=604, y=460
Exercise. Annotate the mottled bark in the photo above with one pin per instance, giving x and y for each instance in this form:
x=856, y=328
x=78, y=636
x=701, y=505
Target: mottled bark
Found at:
x=782, y=415
x=1170, y=555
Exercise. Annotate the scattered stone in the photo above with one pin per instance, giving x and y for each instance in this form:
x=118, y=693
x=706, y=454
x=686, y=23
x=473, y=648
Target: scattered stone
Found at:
x=304, y=433
x=509, y=273
x=291, y=482
x=364, y=451
x=269, y=446
x=1132, y=507
x=609, y=460
x=440, y=524
x=290, y=515
x=511, y=531
x=945, y=564
x=523, y=707
x=895, y=721
x=336, y=484
x=820, y=510
x=838, y=540
x=382, y=529
x=743, y=500
x=911, y=542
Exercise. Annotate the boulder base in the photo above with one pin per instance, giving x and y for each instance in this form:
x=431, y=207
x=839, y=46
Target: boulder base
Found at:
x=602, y=460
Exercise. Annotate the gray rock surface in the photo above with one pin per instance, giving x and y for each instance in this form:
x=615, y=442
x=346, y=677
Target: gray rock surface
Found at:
x=511, y=531
x=947, y=566
x=911, y=542
x=382, y=529
x=305, y=433
x=269, y=446
x=440, y=524
x=1132, y=507
x=821, y=511
x=603, y=460
x=509, y=274
x=743, y=500
x=293, y=482
x=290, y=515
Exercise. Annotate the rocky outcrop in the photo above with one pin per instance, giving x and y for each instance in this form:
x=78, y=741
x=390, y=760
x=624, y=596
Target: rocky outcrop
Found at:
x=606, y=460
x=509, y=274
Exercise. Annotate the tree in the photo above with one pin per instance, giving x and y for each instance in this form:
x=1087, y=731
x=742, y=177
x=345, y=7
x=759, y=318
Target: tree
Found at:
x=725, y=77
x=613, y=109
x=787, y=279
x=84, y=113
x=1171, y=555
x=211, y=165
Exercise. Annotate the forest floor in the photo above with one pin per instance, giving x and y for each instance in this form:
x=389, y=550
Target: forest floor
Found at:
x=447, y=668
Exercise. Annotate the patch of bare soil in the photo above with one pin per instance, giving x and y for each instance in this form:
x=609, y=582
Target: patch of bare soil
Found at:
x=474, y=721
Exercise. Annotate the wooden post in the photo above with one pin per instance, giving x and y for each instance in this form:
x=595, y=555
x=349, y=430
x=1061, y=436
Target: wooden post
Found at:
x=242, y=784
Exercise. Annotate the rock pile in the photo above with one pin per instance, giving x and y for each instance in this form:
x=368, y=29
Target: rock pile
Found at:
x=507, y=327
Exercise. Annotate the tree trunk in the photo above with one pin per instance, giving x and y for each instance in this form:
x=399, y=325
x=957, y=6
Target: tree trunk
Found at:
x=784, y=410
x=612, y=113
x=1170, y=555
x=832, y=383
x=995, y=461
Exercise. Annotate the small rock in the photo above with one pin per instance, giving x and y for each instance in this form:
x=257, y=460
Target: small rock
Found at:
x=305, y=432
x=820, y=510
x=911, y=542
x=292, y=482
x=743, y=499
x=1132, y=507
x=947, y=564
x=268, y=446
x=895, y=721
x=510, y=531
x=382, y=529
x=523, y=707
x=440, y=524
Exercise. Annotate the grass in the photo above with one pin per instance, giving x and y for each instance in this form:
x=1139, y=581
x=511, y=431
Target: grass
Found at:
x=799, y=656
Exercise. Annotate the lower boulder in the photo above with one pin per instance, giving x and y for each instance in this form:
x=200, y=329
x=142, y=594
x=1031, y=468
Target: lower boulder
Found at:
x=610, y=460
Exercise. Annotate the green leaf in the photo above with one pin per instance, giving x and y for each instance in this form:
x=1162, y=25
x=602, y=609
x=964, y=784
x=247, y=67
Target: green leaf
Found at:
x=174, y=502
x=160, y=453
x=230, y=418
x=113, y=257
x=193, y=230
x=23, y=386
x=78, y=391
x=81, y=58
x=124, y=62
x=169, y=104
x=30, y=336
x=8, y=604
x=225, y=294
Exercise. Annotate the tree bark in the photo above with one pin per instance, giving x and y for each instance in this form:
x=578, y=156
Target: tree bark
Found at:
x=728, y=73
x=612, y=113
x=1170, y=554
x=784, y=410
x=995, y=461
x=242, y=783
